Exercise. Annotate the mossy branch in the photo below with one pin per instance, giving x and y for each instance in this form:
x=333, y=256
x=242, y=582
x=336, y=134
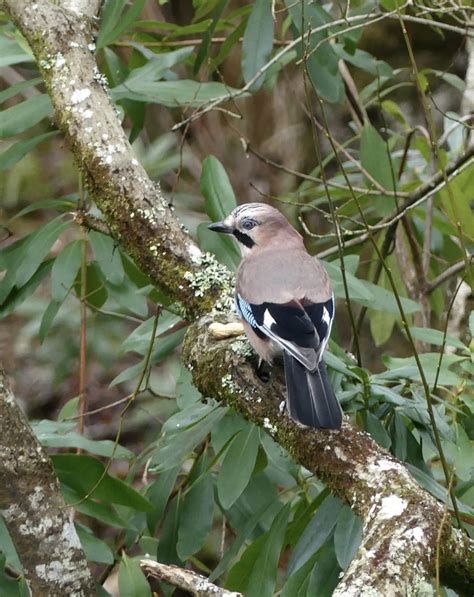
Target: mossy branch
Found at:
x=402, y=522
x=34, y=511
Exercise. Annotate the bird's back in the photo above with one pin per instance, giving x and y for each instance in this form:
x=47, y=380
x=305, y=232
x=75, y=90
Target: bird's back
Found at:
x=282, y=275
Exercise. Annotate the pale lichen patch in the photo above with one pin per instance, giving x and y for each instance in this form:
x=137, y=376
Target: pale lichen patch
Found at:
x=242, y=348
x=340, y=454
x=270, y=427
x=195, y=254
x=79, y=95
x=392, y=505
x=211, y=275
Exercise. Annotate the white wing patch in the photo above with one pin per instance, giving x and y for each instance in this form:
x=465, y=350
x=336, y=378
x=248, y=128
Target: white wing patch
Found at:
x=326, y=317
x=268, y=320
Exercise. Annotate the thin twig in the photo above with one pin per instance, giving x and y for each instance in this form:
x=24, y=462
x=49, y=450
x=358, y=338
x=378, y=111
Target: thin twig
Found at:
x=83, y=316
x=448, y=273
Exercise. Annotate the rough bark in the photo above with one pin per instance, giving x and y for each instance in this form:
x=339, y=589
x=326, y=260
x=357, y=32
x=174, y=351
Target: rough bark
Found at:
x=137, y=214
x=402, y=522
x=189, y=581
x=34, y=510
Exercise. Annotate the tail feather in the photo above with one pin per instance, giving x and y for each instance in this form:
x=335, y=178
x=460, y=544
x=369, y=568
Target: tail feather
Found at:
x=311, y=399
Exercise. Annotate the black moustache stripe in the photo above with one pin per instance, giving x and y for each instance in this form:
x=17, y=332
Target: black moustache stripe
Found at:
x=244, y=239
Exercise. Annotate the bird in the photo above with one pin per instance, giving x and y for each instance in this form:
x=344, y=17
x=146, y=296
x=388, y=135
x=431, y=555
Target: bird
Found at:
x=284, y=298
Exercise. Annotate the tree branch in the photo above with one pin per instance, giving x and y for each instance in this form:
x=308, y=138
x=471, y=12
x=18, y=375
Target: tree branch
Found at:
x=401, y=521
x=190, y=581
x=34, y=510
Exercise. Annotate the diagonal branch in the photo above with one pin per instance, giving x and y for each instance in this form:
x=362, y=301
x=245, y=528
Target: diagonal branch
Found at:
x=34, y=511
x=402, y=521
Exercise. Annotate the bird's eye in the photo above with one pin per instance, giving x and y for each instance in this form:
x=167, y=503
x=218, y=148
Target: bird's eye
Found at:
x=248, y=224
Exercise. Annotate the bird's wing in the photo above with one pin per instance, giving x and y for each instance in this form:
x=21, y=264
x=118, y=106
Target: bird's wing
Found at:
x=302, y=332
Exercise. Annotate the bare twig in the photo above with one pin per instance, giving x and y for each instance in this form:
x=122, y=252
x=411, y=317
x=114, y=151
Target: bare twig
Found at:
x=451, y=271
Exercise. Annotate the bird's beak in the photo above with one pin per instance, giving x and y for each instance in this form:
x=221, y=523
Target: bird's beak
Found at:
x=221, y=227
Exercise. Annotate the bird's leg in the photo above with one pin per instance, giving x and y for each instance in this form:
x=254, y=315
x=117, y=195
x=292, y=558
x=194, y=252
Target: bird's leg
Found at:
x=262, y=370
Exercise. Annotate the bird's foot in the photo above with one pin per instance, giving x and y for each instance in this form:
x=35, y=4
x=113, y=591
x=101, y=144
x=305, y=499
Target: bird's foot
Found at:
x=263, y=371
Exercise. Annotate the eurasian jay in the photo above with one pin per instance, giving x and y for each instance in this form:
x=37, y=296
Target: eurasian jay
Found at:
x=285, y=301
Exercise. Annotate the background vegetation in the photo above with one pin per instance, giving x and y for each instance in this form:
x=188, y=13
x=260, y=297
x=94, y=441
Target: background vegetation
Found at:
x=353, y=120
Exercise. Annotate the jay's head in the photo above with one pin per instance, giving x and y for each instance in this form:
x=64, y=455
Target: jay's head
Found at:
x=257, y=226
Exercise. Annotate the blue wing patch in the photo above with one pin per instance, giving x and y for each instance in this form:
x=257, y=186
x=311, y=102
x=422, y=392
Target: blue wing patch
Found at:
x=244, y=310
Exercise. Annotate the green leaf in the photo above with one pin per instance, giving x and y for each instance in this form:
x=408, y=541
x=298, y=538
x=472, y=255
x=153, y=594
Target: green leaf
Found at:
x=456, y=203
x=374, y=426
x=322, y=64
x=225, y=48
x=195, y=521
x=108, y=257
x=38, y=246
x=255, y=574
x=394, y=110
x=220, y=245
x=18, y=150
x=429, y=363
x=175, y=94
x=127, y=297
x=384, y=300
x=357, y=288
x=217, y=190
x=325, y=574
x=95, y=549
x=174, y=447
x=47, y=320
x=209, y=32
x=381, y=325
x=18, y=295
x=132, y=581
x=158, y=493
x=95, y=286
x=382, y=321
x=258, y=41
x=12, y=53
x=237, y=466
x=166, y=552
x=364, y=61
x=65, y=204
x=7, y=547
x=13, y=90
x=316, y=533
x=54, y=434
x=105, y=513
x=115, y=23
x=156, y=67
x=437, y=490
x=70, y=409
x=436, y=337
x=272, y=506
x=23, y=116
x=219, y=199
x=64, y=270
x=347, y=536
x=264, y=574
x=186, y=393
x=109, y=18
x=10, y=587
x=82, y=473
x=139, y=339
x=375, y=160
x=459, y=452
x=297, y=583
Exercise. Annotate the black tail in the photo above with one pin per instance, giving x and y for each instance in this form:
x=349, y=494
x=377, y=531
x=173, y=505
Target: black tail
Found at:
x=311, y=399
